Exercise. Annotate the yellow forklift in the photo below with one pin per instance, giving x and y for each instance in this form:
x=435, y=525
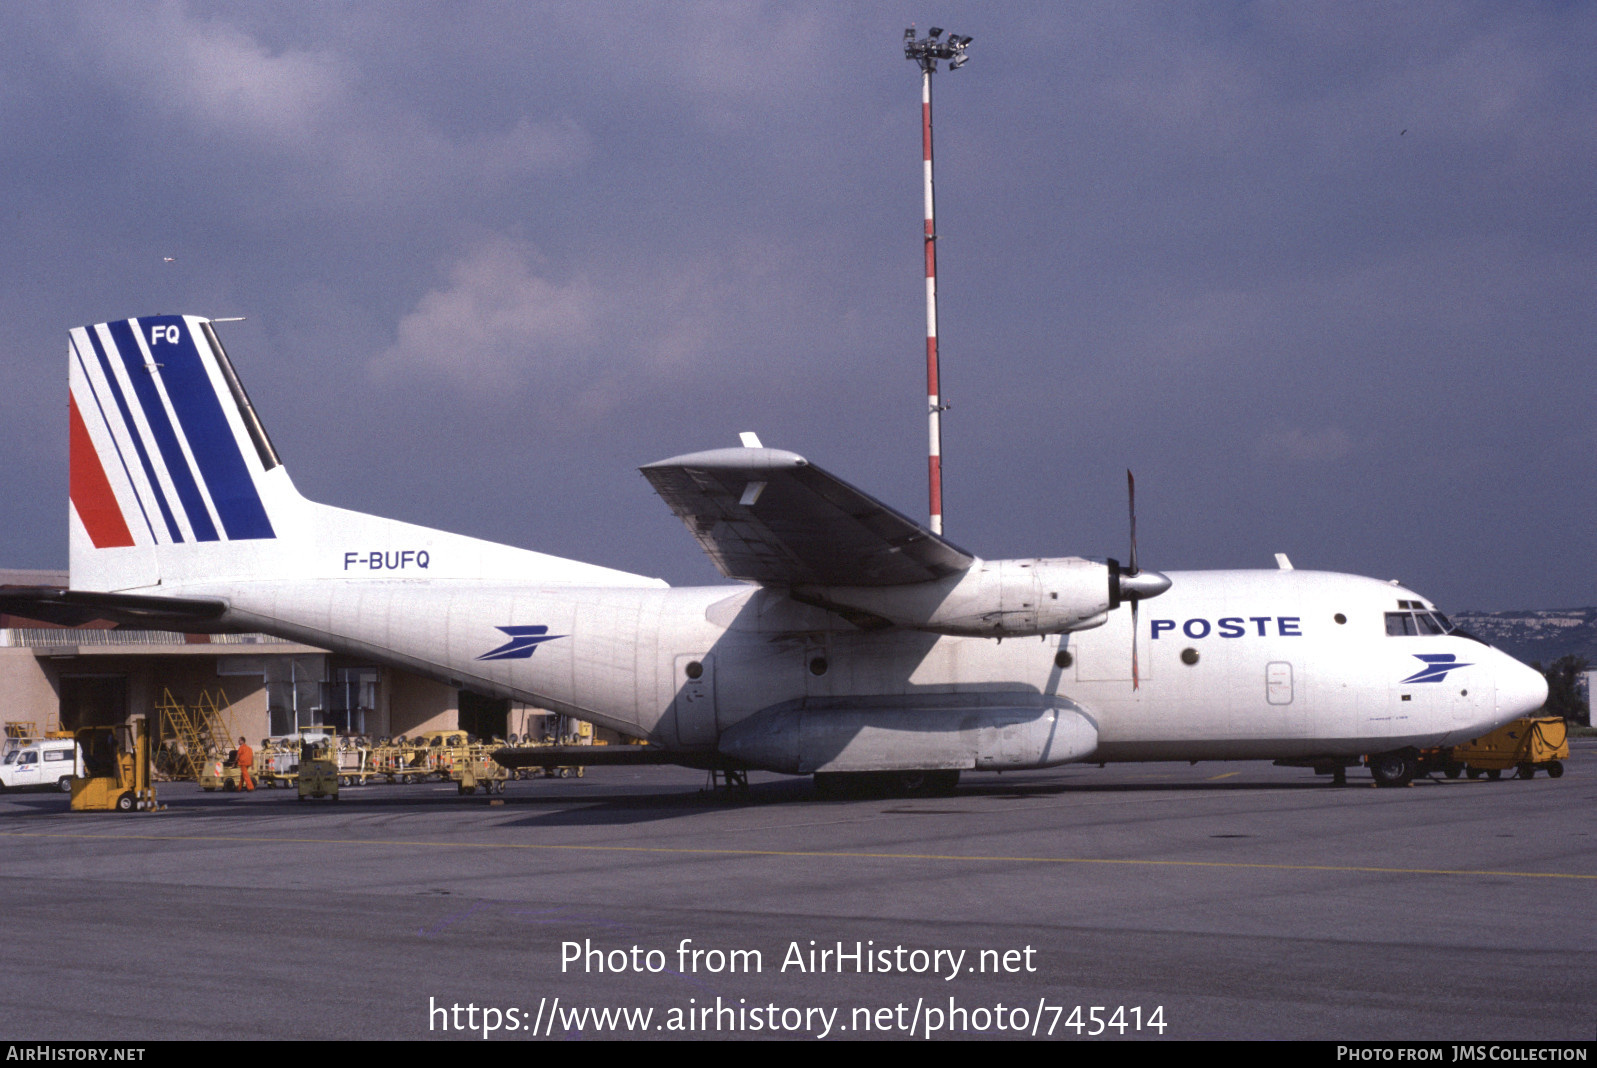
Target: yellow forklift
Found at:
x=114, y=775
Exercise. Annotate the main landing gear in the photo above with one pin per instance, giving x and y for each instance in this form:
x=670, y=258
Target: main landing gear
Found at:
x=1392, y=769
x=860, y=784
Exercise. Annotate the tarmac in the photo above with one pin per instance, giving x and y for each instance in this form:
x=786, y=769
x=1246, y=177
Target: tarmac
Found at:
x=1152, y=901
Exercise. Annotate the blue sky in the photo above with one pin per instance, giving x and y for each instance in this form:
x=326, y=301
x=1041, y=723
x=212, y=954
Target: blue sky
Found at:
x=1321, y=274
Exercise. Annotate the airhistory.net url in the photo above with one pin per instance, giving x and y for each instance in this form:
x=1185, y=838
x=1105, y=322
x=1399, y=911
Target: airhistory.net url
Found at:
x=551, y=1019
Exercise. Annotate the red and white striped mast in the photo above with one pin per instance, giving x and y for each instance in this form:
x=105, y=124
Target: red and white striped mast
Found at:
x=927, y=51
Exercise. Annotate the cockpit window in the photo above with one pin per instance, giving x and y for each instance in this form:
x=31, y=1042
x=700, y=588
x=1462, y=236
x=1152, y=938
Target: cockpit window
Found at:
x=1416, y=620
x=1399, y=624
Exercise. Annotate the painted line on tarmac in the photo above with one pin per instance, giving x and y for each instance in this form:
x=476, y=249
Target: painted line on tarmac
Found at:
x=803, y=853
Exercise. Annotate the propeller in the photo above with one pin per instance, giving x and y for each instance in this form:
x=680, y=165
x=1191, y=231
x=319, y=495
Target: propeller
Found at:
x=1131, y=584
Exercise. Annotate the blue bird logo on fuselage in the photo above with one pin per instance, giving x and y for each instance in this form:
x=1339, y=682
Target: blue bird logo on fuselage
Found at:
x=1437, y=665
x=524, y=641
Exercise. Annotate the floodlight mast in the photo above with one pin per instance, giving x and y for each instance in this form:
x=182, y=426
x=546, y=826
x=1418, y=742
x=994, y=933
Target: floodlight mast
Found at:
x=927, y=51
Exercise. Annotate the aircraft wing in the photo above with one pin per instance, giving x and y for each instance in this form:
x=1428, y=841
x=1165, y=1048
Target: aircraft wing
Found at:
x=772, y=517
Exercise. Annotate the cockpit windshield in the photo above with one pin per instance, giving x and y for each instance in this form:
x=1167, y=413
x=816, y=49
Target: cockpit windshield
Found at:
x=1413, y=619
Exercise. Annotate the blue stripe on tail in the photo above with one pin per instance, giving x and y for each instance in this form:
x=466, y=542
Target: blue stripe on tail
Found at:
x=215, y=447
x=177, y=465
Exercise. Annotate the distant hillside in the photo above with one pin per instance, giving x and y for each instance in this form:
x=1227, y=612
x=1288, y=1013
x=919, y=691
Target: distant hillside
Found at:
x=1540, y=636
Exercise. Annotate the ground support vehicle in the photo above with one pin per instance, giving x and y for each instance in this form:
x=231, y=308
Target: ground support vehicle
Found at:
x=478, y=768
x=318, y=769
x=355, y=765
x=46, y=764
x=403, y=761
x=277, y=763
x=115, y=775
x=1526, y=745
x=219, y=774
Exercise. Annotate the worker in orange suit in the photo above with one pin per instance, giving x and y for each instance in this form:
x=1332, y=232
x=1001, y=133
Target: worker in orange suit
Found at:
x=246, y=761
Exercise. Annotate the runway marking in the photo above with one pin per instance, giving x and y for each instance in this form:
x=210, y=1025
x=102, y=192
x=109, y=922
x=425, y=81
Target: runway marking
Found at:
x=832, y=854
x=1227, y=775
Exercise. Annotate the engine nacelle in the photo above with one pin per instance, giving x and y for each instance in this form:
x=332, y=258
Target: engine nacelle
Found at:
x=990, y=599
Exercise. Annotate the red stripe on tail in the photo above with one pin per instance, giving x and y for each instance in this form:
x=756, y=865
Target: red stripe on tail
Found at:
x=91, y=490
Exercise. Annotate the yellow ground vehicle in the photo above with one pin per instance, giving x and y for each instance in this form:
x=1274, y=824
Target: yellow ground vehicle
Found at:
x=116, y=769
x=216, y=773
x=276, y=762
x=1526, y=745
x=451, y=755
x=318, y=768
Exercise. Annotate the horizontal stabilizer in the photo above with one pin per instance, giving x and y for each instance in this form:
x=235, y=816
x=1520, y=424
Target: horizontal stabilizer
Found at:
x=72, y=608
x=772, y=517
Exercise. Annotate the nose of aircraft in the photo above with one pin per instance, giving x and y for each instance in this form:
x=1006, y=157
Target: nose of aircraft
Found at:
x=1521, y=690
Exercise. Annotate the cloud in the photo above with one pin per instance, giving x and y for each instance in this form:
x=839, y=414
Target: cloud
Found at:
x=322, y=110
x=219, y=77
x=495, y=325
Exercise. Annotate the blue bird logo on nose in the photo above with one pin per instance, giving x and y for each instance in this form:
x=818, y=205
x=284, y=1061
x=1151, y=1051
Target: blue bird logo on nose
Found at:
x=1437, y=665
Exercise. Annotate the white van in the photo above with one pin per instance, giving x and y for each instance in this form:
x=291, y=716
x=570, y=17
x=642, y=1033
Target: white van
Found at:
x=50, y=764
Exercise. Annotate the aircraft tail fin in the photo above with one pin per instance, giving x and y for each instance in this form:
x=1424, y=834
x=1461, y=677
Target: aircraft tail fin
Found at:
x=174, y=481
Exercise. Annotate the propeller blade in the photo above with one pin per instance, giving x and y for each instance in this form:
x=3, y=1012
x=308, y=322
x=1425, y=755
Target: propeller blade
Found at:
x=1131, y=502
x=1131, y=506
x=1134, y=680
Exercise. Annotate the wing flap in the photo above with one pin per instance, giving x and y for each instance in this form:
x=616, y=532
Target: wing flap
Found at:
x=772, y=517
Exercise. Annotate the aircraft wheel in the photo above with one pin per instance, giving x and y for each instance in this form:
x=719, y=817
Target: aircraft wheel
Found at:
x=1494, y=773
x=1392, y=769
x=924, y=783
x=1526, y=771
x=835, y=785
x=124, y=803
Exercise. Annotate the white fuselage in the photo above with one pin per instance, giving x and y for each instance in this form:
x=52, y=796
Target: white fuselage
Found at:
x=1275, y=674
x=870, y=643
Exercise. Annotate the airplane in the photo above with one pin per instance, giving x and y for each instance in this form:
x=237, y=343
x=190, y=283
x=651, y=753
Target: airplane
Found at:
x=857, y=646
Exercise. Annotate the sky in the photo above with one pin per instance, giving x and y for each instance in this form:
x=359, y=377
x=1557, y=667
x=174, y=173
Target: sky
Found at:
x=1321, y=274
